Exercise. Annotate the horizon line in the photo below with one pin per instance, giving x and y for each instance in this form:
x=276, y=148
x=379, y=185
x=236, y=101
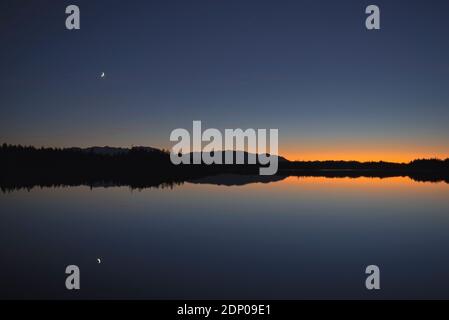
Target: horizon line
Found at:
x=279, y=154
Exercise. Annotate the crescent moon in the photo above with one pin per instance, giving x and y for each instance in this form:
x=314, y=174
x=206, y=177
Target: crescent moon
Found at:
x=99, y=260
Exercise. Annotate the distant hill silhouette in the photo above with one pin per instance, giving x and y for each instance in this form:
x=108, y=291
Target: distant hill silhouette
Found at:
x=111, y=151
x=141, y=167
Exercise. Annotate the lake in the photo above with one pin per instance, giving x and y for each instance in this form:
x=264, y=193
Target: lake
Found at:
x=295, y=238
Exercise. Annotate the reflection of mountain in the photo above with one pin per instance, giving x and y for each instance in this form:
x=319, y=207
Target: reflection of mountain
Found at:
x=142, y=167
x=236, y=179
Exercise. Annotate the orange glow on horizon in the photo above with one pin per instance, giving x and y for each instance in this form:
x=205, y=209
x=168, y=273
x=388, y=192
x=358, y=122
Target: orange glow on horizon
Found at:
x=363, y=149
x=362, y=156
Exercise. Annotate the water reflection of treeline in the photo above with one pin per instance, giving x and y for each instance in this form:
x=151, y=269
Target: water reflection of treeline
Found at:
x=142, y=167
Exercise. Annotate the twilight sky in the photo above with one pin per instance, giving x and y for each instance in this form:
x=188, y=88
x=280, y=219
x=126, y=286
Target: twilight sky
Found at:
x=309, y=68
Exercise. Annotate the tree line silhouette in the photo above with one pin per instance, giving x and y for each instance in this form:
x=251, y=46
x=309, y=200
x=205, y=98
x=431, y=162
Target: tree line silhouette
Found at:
x=142, y=167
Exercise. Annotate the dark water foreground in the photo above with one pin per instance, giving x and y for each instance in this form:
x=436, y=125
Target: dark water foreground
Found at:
x=229, y=237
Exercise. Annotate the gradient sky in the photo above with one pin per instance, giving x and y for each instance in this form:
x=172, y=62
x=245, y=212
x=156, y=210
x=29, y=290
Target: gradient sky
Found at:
x=309, y=68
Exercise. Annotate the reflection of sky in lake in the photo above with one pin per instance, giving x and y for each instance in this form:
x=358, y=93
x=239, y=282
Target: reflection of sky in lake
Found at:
x=297, y=238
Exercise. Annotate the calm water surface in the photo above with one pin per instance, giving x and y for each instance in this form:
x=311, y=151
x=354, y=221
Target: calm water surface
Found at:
x=291, y=239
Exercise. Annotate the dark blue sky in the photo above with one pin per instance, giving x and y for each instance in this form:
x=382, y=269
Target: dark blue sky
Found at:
x=308, y=68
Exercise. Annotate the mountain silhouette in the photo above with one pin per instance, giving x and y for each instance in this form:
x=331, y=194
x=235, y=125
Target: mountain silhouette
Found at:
x=233, y=155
